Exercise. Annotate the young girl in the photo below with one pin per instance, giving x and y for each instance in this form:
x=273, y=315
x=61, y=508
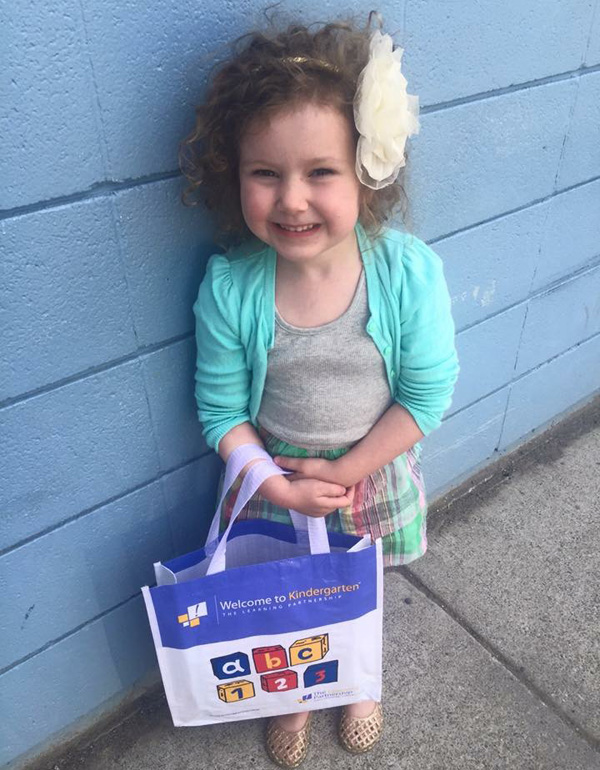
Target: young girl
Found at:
x=322, y=336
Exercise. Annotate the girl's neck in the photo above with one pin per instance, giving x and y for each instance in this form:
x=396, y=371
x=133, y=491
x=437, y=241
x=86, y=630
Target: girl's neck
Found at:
x=324, y=267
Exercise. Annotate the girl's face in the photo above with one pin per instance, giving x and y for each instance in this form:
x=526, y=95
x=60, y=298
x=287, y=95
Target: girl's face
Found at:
x=299, y=190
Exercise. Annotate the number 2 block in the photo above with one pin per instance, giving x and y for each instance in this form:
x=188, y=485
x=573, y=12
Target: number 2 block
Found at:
x=278, y=681
x=235, y=691
x=321, y=673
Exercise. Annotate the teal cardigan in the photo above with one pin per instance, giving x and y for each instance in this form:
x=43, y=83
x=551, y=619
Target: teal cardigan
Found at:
x=410, y=323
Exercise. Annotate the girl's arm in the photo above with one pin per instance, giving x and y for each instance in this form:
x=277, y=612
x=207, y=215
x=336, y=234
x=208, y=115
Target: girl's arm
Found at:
x=392, y=435
x=313, y=497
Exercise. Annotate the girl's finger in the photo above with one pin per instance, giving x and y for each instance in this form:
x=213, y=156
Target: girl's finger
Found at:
x=286, y=462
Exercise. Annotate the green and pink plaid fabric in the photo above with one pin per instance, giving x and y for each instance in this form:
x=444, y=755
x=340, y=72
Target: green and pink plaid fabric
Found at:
x=389, y=504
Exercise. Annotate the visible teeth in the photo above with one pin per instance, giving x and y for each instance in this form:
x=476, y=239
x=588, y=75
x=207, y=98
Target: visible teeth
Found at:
x=297, y=229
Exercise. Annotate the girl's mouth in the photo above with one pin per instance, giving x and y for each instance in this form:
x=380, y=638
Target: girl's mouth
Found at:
x=297, y=230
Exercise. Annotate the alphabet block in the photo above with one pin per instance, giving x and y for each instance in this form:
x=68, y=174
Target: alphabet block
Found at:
x=307, y=650
x=229, y=666
x=279, y=681
x=236, y=691
x=321, y=673
x=269, y=658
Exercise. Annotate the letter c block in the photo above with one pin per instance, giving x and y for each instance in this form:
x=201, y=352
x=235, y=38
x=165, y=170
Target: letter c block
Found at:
x=308, y=650
x=230, y=666
x=269, y=658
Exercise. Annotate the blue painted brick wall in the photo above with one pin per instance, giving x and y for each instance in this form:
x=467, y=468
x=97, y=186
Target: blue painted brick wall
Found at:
x=103, y=467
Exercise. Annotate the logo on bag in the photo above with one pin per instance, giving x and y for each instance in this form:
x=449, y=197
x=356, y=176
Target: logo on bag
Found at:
x=193, y=614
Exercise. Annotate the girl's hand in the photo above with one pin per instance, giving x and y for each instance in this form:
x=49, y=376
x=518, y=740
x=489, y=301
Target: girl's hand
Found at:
x=309, y=496
x=318, y=498
x=310, y=468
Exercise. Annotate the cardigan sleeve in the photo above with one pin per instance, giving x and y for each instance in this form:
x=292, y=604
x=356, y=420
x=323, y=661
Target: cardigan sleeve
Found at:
x=222, y=377
x=428, y=359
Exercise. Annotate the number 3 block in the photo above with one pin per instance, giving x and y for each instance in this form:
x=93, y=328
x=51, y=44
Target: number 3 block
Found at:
x=235, y=691
x=279, y=681
x=307, y=650
x=321, y=673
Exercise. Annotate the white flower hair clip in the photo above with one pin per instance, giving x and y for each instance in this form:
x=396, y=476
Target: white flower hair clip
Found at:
x=385, y=115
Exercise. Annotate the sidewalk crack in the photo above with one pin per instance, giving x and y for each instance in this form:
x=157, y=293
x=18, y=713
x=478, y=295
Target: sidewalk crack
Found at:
x=510, y=665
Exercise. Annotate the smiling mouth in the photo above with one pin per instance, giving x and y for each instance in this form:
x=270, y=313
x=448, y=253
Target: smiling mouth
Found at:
x=298, y=228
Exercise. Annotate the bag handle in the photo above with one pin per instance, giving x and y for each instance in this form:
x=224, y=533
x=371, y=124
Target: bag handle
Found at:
x=256, y=475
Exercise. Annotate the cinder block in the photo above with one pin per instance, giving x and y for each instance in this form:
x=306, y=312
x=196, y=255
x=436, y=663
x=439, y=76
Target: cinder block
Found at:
x=65, y=296
x=550, y=390
x=510, y=42
x=50, y=139
x=571, y=236
x=503, y=154
x=592, y=55
x=52, y=690
x=164, y=247
x=581, y=158
x=462, y=443
x=69, y=576
x=491, y=266
x=151, y=63
x=169, y=377
x=556, y=321
x=73, y=448
x=190, y=493
x=487, y=354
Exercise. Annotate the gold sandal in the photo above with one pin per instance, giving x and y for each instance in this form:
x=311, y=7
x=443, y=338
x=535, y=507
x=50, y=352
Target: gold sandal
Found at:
x=360, y=734
x=285, y=748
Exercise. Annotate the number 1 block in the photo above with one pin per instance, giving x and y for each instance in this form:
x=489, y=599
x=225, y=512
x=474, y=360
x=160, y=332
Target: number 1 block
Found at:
x=235, y=691
x=321, y=673
x=279, y=681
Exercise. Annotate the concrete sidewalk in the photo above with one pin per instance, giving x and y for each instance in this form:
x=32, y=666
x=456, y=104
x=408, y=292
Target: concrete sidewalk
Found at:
x=491, y=641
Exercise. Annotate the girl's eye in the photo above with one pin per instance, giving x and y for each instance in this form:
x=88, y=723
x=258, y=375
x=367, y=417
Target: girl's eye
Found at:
x=323, y=171
x=265, y=172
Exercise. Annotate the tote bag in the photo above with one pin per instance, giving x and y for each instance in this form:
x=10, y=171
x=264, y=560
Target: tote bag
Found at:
x=267, y=619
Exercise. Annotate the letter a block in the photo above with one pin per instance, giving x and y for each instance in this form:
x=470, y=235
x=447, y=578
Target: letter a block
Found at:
x=235, y=691
x=279, y=681
x=230, y=666
x=307, y=650
x=269, y=658
x=321, y=673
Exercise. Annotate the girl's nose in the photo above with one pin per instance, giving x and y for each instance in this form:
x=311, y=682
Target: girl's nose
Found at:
x=293, y=196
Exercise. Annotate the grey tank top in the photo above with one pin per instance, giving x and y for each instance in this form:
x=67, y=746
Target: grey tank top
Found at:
x=326, y=386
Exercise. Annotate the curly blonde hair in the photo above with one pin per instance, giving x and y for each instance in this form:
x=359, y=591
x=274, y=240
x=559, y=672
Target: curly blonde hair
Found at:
x=268, y=71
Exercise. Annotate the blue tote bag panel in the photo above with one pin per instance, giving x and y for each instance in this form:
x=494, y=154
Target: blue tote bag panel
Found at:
x=267, y=619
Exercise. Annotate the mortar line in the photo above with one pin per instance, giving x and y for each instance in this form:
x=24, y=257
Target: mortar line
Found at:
x=159, y=478
x=514, y=88
x=93, y=370
x=66, y=635
x=500, y=658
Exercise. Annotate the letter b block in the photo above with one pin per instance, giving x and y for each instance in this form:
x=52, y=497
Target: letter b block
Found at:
x=235, y=691
x=269, y=658
x=279, y=681
x=321, y=673
x=307, y=650
x=229, y=666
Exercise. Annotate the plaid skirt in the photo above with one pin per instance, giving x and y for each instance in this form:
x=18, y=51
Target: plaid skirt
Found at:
x=389, y=504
